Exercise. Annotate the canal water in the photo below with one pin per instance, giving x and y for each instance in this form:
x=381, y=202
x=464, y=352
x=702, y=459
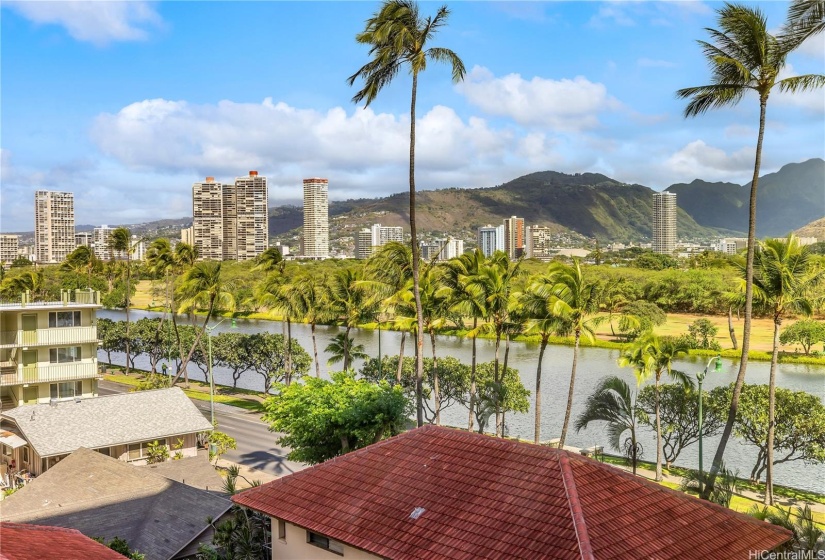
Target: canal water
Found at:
x=594, y=363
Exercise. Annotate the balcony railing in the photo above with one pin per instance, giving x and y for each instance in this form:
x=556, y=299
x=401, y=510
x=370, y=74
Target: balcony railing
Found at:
x=58, y=336
x=67, y=298
x=48, y=373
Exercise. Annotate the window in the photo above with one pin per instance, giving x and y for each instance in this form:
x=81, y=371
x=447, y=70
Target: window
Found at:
x=324, y=542
x=282, y=529
x=64, y=355
x=104, y=451
x=138, y=451
x=64, y=319
x=66, y=390
x=7, y=451
x=25, y=454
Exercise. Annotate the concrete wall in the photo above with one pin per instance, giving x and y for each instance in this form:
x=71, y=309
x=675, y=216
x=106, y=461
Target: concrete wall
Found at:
x=296, y=547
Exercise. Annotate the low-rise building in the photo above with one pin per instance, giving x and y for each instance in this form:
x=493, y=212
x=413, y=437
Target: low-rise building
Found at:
x=120, y=426
x=437, y=492
x=22, y=541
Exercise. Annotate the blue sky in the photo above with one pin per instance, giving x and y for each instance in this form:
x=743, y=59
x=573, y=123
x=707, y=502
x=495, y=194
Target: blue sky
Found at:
x=126, y=104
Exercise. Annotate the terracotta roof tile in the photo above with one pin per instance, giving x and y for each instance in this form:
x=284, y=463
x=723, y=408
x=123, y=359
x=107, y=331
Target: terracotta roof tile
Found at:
x=493, y=498
x=21, y=541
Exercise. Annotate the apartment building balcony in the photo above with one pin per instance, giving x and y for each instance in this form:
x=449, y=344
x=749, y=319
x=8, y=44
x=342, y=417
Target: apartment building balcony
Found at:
x=55, y=336
x=12, y=374
x=68, y=298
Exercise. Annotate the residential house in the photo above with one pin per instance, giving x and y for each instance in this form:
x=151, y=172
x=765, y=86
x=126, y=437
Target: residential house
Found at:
x=102, y=497
x=120, y=426
x=48, y=349
x=438, y=492
x=36, y=542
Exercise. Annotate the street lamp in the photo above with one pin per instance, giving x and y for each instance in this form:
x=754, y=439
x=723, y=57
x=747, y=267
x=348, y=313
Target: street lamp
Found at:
x=717, y=361
x=211, y=377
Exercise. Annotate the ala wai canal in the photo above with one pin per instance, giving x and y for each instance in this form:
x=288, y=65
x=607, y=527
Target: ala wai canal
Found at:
x=594, y=363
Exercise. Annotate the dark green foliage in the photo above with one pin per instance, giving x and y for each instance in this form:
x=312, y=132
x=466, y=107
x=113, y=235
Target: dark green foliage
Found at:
x=807, y=333
x=724, y=486
x=639, y=316
x=702, y=333
x=655, y=261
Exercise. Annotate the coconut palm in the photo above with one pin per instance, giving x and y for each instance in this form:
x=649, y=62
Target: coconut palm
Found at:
x=202, y=288
x=575, y=299
x=613, y=402
x=652, y=356
x=309, y=300
x=744, y=57
x=805, y=18
x=185, y=255
x=781, y=283
x=120, y=241
x=349, y=301
x=399, y=36
x=276, y=293
x=81, y=260
x=343, y=348
x=270, y=260
x=31, y=281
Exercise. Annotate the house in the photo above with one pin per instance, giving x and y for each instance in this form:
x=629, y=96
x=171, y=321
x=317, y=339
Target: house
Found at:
x=438, y=492
x=120, y=426
x=103, y=497
x=35, y=542
x=48, y=349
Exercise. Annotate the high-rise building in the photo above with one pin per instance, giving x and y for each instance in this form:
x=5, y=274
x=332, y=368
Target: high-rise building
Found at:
x=207, y=219
x=8, y=249
x=247, y=208
x=514, y=237
x=53, y=225
x=539, y=243
x=101, y=243
x=490, y=239
x=664, y=222
x=442, y=249
x=315, y=241
x=83, y=238
x=187, y=235
x=381, y=235
x=363, y=244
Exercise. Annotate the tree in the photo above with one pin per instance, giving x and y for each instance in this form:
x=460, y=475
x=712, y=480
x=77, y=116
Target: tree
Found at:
x=243, y=536
x=157, y=453
x=268, y=359
x=322, y=419
x=575, y=299
x=231, y=350
x=703, y=331
x=120, y=240
x=639, y=316
x=350, y=303
x=81, y=261
x=726, y=485
x=31, y=281
x=399, y=36
x=219, y=443
x=800, y=424
x=504, y=393
x=652, y=356
x=121, y=547
x=806, y=332
x=808, y=536
x=21, y=262
x=680, y=423
x=612, y=402
x=310, y=301
x=744, y=57
x=202, y=287
x=343, y=349
x=111, y=335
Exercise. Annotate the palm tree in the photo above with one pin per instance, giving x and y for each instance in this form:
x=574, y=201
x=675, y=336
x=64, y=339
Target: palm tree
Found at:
x=781, y=285
x=279, y=296
x=613, y=402
x=270, y=260
x=349, y=301
x=309, y=298
x=652, y=356
x=81, y=260
x=202, y=287
x=574, y=299
x=398, y=36
x=435, y=304
x=807, y=534
x=343, y=348
x=743, y=57
x=805, y=18
x=120, y=241
x=31, y=281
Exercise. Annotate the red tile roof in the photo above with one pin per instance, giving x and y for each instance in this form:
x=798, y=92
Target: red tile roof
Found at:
x=486, y=497
x=19, y=541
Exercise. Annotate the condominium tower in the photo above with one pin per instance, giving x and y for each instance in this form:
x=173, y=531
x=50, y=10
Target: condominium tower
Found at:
x=381, y=235
x=315, y=242
x=53, y=225
x=8, y=248
x=363, y=244
x=664, y=222
x=514, y=237
x=491, y=239
x=229, y=221
x=539, y=243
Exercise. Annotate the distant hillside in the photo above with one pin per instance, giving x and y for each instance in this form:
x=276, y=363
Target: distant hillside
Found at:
x=814, y=229
x=785, y=200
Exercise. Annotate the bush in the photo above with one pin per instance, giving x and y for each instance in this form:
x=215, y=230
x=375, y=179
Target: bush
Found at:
x=702, y=333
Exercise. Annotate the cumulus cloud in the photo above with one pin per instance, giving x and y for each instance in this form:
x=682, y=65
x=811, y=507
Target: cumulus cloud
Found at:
x=95, y=21
x=566, y=105
x=699, y=160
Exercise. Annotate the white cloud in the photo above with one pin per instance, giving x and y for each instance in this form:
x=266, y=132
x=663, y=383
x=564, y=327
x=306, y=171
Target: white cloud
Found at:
x=699, y=160
x=566, y=105
x=627, y=14
x=812, y=100
x=653, y=63
x=95, y=21
x=814, y=47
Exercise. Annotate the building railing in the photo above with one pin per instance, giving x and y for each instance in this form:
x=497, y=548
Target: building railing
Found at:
x=48, y=373
x=67, y=298
x=56, y=336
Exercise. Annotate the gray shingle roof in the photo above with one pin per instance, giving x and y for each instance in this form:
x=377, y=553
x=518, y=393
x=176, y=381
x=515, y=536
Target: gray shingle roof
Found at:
x=107, y=420
x=103, y=497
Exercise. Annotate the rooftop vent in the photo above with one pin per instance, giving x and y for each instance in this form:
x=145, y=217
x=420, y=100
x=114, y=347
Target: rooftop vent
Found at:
x=417, y=512
x=253, y=173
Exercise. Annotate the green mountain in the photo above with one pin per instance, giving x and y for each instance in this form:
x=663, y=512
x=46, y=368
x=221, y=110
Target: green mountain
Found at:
x=785, y=200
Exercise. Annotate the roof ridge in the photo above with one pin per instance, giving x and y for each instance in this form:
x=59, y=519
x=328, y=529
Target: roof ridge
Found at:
x=579, y=524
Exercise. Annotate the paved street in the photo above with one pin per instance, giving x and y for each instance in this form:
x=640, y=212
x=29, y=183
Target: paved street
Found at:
x=256, y=444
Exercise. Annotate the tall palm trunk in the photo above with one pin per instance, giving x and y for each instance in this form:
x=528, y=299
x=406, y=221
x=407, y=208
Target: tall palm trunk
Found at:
x=730, y=327
x=501, y=384
x=436, y=390
x=288, y=350
x=570, y=391
x=198, y=336
x=496, y=379
x=537, y=428
x=659, y=450
x=473, y=378
x=128, y=290
x=777, y=323
x=746, y=330
x=346, y=349
x=419, y=334
x=401, y=358
x=315, y=350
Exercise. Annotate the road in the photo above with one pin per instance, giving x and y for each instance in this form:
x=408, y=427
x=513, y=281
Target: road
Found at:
x=256, y=447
